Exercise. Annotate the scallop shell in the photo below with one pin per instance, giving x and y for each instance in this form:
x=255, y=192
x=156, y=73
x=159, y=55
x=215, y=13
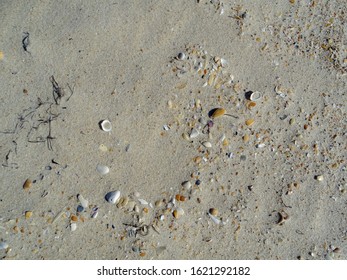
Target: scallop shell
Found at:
x=102, y=169
x=106, y=125
x=112, y=197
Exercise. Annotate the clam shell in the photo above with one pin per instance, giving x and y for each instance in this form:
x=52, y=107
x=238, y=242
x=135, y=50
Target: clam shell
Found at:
x=102, y=169
x=106, y=125
x=218, y=112
x=112, y=197
x=256, y=95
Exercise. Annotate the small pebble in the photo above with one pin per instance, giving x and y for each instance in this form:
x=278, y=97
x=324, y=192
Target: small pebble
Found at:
x=80, y=209
x=83, y=201
x=198, y=182
x=249, y=122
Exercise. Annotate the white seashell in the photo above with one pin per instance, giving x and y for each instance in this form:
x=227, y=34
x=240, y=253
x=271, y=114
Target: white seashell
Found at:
x=112, y=197
x=142, y=201
x=207, y=144
x=73, y=226
x=223, y=62
x=3, y=245
x=83, y=201
x=187, y=185
x=256, y=95
x=194, y=133
x=102, y=169
x=214, y=219
x=106, y=125
x=261, y=145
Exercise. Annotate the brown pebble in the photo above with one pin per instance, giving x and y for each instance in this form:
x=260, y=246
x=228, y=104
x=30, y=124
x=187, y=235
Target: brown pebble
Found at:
x=245, y=138
x=27, y=184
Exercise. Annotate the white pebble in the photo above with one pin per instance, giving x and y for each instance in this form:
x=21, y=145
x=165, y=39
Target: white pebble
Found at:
x=73, y=226
x=194, y=133
x=207, y=144
x=83, y=201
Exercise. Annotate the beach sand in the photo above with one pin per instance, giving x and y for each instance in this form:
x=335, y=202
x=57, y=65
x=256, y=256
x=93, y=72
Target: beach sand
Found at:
x=275, y=174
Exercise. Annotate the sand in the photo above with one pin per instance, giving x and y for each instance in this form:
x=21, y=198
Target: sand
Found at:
x=117, y=60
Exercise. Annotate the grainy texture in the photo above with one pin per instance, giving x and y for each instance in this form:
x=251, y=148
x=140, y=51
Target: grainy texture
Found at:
x=156, y=69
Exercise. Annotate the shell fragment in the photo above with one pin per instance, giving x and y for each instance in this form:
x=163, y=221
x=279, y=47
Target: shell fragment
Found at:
x=102, y=169
x=106, y=125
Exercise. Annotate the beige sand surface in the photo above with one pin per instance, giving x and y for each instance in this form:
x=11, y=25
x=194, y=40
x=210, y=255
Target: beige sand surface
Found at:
x=116, y=60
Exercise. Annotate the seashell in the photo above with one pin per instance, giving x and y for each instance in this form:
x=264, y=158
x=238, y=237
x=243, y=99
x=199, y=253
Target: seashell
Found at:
x=123, y=201
x=319, y=178
x=213, y=211
x=106, y=125
x=94, y=212
x=187, y=185
x=102, y=169
x=181, y=56
x=185, y=136
x=177, y=213
x=253, y=95
x=142, y=201
x=218, y=112
x=73, y=226
x=214, y=219
x=3, y=245
x=103, y=148
x=27, y=184
x=28, y=214
x=260, y=145
x=207, y=144
x=112, y=197
x=83, y=201
x=249, y=122
x=194, y=133
x=245, y=138
x=73, y=218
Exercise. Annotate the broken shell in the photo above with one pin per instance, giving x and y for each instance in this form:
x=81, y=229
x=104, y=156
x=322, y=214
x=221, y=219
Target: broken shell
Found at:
x=94, y=212
x=112, y=197
x=102, y=169
x=27, y=184
x=207, y=144
x=83, y=201
x=187, y=185
x=213, y=211
x=73, y=226
x=105, y=125
x=194, y=133
x=218, y=112
x=283, y=216
x=28, y=214
x=249, y=122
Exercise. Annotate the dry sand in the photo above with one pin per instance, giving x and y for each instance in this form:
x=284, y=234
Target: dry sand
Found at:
x=115, y=60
